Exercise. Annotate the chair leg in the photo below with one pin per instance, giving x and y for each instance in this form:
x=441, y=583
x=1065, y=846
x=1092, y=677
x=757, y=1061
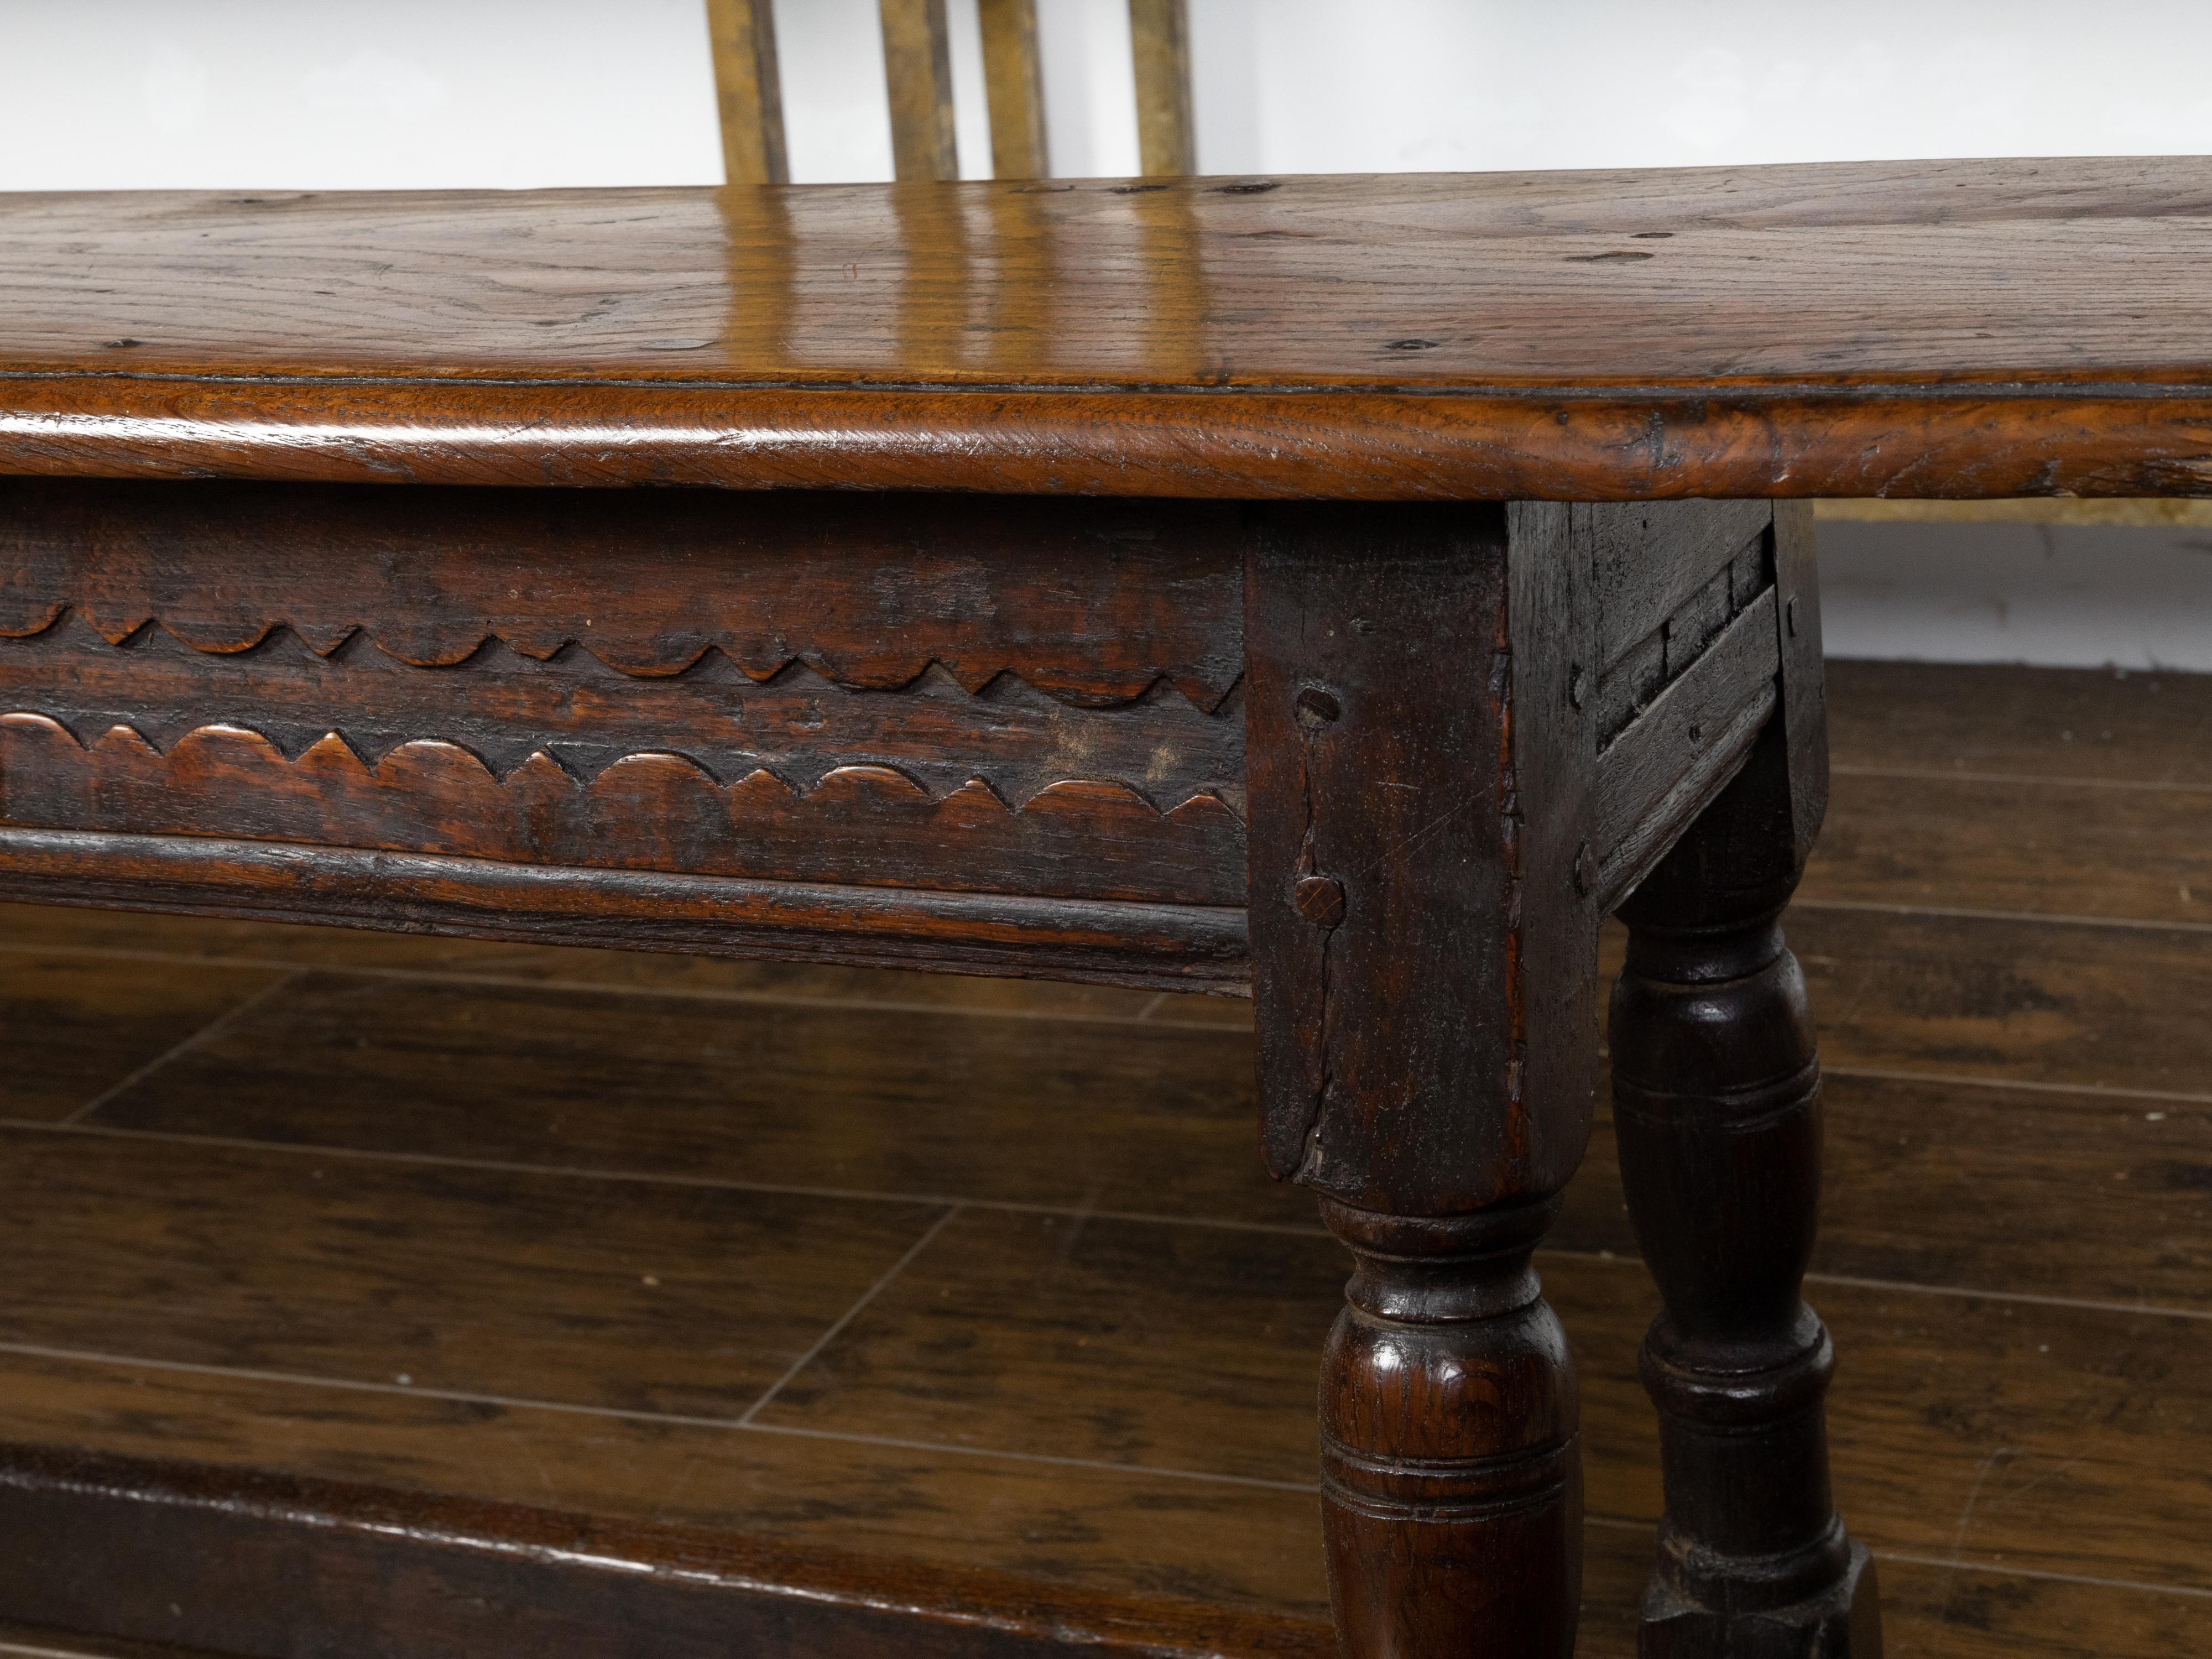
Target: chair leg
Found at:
x=1424, y=988
x=1716, y=1105
x=1452, y=1484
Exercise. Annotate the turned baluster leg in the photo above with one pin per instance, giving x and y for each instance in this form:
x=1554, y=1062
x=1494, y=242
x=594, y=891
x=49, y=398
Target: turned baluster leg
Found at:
x=1716, y=1105
x=1451, y=1487
x=1423, y=977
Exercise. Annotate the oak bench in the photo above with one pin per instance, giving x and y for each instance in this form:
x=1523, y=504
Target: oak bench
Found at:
x=1345, y=592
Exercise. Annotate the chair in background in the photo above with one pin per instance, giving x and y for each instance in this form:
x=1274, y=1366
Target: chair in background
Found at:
x=918, y=69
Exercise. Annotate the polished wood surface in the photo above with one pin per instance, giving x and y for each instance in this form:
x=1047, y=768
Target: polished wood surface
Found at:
x=1904, y=328
x=1097, y=1378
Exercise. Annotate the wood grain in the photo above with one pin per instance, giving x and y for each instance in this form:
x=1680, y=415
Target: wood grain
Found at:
x=1642, y=335
x=918, y=67
x=1117, y=1116
x=1159, y=32
x=1092, y=604
x=2027, y=845
x=1014, y=84
x=188, y=941
x=1182, y=946
x=1932, y=1182
x=95, y=1023
x=513, y=1256
x=749, y=91
x=189, y=1552
x=2133, y=729
x=1976, y=1426
x=1935, y=1383
x=2004, y=1000
x=859, y=826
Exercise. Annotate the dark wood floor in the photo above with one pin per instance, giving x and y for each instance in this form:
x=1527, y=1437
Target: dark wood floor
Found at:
x=983, y=1274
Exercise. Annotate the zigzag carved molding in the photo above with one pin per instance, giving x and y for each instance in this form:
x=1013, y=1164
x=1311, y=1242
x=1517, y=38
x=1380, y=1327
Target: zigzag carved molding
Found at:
x=874, y=780
x=868, y=824
x=658, y=658
x=504, y=708
x=1089, y=601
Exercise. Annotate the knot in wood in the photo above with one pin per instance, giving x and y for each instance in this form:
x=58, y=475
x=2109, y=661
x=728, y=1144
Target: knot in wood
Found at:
x=1320, y=901
x=1317, y=708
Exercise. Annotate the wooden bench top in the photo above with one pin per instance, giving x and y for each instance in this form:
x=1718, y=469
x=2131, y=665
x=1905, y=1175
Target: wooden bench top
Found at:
x=1937, y=329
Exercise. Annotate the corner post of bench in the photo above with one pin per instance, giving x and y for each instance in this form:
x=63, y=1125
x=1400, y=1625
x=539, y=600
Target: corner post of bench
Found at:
x=1716, y=1105
x=1424, y=941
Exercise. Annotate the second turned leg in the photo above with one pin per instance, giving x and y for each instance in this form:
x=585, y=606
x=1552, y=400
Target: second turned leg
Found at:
x=1716, y=1105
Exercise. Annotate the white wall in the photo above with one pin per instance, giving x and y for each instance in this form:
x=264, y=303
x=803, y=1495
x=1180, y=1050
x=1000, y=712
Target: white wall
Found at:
x=337, y=94
x=332, y=95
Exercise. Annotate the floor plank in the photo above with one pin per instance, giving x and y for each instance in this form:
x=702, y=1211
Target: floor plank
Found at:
x=2073, y=849
x=1139, y=1118
x=286, y=945
x=91, y=1025
x=609, y=1294
x=2136, y=728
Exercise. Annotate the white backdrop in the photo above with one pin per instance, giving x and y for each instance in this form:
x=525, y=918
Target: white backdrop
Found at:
x=329, y=95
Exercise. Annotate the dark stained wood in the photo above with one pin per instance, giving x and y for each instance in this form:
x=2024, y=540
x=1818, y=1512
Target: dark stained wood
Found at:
x=30, y=1644
x=1159, y=34
x=1717, y=1114
x=1661, y=771
x=1111, y=1533
x=1977, y=1428
x=323, y=1266
x=189, y=941
x=1804, y=679
x=1075, y=1311
x=509, y=710
x=1187, y=946
x=1551, y=635
x=918, y=65
x=2138, y=730
x=1382, y=756
x=859, y=826
x=1937, y=1182
x=1092, y=604
x=1936, y=1385
x=1641, y=335
x=1120, y=1116
x=2019, y=844
x=1013, y=85
x=179, y=1553
x=1035, y=701
x=1648, y=560
x=1401, y=1027
x=2007, y=1000
x=749, y=91
x=93, y=1024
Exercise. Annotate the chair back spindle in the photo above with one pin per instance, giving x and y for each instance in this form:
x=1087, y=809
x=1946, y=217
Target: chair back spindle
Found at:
x=918, y=73
x=1159, y=32
x=749, y=91
x=1013, y=85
